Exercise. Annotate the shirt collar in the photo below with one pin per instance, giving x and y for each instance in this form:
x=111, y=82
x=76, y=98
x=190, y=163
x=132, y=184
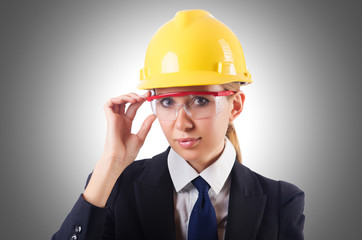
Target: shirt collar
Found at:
x=215, y=175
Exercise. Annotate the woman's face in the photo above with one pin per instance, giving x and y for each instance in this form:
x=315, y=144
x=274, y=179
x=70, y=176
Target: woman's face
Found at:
x=200, y=141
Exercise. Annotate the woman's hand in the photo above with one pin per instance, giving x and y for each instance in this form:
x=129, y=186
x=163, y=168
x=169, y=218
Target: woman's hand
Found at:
x=121, y=146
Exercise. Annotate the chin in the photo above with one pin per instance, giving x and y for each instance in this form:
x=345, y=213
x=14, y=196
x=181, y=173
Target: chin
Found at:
x=190, y=155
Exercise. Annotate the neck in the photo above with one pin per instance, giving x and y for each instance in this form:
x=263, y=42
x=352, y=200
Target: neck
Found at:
x=202, y=164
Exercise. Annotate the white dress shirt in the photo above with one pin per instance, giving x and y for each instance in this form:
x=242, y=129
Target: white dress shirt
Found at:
x=185, y=194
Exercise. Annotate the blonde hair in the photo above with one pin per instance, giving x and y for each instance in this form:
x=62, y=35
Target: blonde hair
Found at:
x=230, y=132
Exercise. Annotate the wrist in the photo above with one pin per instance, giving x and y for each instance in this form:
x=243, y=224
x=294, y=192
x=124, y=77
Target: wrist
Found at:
x=111, y=166
x=104, y=176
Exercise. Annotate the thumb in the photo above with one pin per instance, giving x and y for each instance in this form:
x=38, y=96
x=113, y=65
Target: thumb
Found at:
x=145, y=128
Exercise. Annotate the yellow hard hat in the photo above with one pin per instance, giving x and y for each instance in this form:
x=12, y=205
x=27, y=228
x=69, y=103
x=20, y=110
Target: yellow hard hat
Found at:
x=193, y=48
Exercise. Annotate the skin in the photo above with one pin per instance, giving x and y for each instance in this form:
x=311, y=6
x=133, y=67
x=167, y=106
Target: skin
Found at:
x=210, y=132
x=121, y=146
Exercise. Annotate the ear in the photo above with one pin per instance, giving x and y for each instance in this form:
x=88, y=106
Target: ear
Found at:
x=237, y=105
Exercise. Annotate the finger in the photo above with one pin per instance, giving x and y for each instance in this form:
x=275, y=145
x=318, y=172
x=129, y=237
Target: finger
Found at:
x=131, y=95
x=127, y=98
x=145, y=128
x=122, y=108
x=132, y=109
x=111, y=108
x=147, y=94
x=136, y=96
x=117, y=104
x=108, y=107
x=124, y=99
x=116, y=108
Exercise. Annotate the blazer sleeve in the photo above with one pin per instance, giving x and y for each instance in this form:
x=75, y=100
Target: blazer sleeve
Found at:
x=291, y=213
x=86, y=221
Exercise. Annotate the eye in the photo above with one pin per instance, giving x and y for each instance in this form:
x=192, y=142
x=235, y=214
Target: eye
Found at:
x=200, y=101
x=167, y=102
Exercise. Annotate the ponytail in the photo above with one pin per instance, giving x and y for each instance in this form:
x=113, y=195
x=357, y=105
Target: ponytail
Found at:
x=230, y=132
x=231, y=135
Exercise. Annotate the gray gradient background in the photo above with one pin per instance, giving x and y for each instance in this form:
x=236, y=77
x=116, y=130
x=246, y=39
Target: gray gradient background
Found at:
x=61, y=60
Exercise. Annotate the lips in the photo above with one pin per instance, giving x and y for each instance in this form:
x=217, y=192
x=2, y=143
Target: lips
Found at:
x=187, y=142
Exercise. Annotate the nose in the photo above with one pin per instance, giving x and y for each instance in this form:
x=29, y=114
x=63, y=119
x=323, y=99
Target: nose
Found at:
x=183, y=121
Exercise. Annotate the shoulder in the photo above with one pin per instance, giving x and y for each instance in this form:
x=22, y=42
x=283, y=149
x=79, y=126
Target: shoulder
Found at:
x=286, y=201
x=283, y=202
x=286, y=190
x=277, y=190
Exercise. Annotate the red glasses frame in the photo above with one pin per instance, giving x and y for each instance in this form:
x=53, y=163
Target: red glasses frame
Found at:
x=180, y=94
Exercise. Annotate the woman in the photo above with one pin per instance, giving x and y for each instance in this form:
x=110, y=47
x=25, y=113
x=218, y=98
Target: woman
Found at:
x=197, y=188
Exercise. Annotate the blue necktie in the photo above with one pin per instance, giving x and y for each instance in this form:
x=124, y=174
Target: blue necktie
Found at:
x=202, y=225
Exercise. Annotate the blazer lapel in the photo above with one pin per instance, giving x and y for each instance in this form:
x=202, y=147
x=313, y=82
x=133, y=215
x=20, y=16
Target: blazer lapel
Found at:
x=246, y=204
x=154, y=198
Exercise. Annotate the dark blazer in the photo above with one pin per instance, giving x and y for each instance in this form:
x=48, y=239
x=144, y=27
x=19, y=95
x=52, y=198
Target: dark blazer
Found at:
x=141, y=206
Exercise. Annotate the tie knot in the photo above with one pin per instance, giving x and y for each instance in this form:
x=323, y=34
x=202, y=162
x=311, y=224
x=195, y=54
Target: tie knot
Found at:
x=201, y=185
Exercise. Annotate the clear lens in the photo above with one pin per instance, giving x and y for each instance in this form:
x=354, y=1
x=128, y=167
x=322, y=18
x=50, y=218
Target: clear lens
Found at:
x=196, y=106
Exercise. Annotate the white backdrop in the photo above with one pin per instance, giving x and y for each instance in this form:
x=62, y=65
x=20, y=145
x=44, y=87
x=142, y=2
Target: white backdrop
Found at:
x=62, y=60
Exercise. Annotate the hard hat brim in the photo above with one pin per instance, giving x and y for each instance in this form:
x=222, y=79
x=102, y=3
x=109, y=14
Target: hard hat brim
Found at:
x=194, y=78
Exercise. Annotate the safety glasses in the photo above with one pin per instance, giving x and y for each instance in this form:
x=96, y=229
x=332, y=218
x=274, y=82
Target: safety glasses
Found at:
x=197, y=105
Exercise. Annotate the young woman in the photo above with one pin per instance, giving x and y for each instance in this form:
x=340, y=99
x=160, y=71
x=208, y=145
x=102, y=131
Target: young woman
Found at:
x=197, y=188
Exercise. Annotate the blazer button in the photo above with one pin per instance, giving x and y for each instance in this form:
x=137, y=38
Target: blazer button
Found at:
x=74, y=237
x=78, y=229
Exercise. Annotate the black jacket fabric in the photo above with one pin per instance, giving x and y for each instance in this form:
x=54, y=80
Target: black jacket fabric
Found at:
x=141, y=206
